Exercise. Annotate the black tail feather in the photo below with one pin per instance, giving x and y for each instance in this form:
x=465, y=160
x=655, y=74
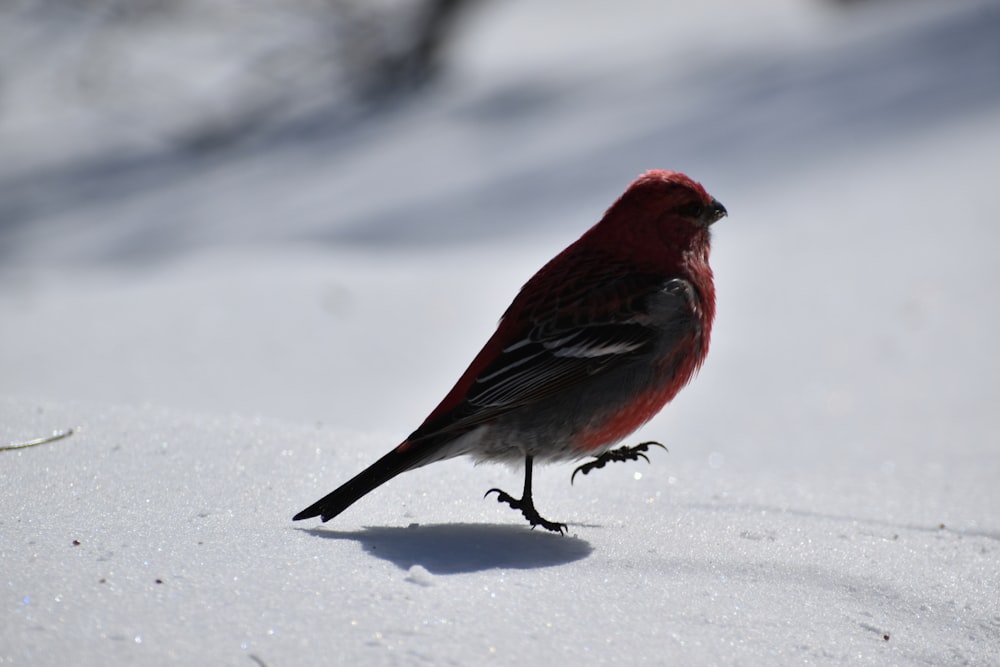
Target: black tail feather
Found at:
x=380, y=472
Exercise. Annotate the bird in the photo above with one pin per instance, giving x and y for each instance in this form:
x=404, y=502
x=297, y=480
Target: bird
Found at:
x=593, y=346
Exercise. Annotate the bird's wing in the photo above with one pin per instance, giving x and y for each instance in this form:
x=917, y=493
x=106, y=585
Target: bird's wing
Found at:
x=567, y=338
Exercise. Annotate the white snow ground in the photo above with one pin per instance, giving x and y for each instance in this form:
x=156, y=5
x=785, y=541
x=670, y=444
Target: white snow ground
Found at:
x=232, y=337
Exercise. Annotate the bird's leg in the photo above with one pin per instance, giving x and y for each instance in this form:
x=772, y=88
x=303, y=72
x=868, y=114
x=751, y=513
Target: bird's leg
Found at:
x=526, y=505
x=623, y=453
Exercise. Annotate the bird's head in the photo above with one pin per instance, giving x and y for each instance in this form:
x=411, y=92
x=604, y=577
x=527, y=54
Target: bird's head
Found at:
x=672, y=195
x=661, y=221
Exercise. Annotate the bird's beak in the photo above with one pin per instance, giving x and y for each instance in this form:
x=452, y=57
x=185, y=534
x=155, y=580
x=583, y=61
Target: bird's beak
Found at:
x=715, y=212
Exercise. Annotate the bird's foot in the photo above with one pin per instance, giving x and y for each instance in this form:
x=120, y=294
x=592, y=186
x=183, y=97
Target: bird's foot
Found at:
x=527, y=508
x=623, y=453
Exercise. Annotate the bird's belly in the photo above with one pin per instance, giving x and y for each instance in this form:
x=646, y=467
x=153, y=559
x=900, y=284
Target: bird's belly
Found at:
x=574, y=425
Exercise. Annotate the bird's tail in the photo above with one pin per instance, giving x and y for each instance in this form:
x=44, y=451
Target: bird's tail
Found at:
x=404, y=457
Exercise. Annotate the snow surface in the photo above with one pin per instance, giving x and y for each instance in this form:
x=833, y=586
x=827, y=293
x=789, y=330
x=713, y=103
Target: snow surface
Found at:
x=233, y=336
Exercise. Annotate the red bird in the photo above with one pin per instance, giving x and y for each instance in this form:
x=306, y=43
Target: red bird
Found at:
x=593, y=346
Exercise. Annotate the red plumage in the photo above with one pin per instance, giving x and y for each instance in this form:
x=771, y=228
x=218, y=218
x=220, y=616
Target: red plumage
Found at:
x=592, y=347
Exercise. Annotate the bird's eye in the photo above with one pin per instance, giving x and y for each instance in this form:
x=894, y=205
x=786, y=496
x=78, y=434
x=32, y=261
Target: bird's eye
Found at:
x=691, y=209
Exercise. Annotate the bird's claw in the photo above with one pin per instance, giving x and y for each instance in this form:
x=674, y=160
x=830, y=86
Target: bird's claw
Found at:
x=528, y=511
x=503, y=497
x=623, y=453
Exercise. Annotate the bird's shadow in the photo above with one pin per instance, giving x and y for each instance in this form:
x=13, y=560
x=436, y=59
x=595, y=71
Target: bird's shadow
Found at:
x=456, y=548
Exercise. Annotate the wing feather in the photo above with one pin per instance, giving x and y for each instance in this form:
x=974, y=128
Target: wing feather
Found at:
x=570, y=338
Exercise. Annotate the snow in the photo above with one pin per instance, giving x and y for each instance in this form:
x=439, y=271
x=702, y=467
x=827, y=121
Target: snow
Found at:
x=232, y=336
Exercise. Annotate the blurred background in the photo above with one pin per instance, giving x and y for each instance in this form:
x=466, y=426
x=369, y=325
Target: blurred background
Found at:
x=131, y=130
x=317, y=209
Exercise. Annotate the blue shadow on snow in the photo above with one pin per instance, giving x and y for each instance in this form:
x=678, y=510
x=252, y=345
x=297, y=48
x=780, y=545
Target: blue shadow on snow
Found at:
x=456, y=548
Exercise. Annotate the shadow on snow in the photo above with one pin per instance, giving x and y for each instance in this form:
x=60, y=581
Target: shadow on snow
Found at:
x=456, y=548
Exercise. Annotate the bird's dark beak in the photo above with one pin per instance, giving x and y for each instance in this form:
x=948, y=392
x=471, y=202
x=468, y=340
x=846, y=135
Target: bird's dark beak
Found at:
x=716, y=211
